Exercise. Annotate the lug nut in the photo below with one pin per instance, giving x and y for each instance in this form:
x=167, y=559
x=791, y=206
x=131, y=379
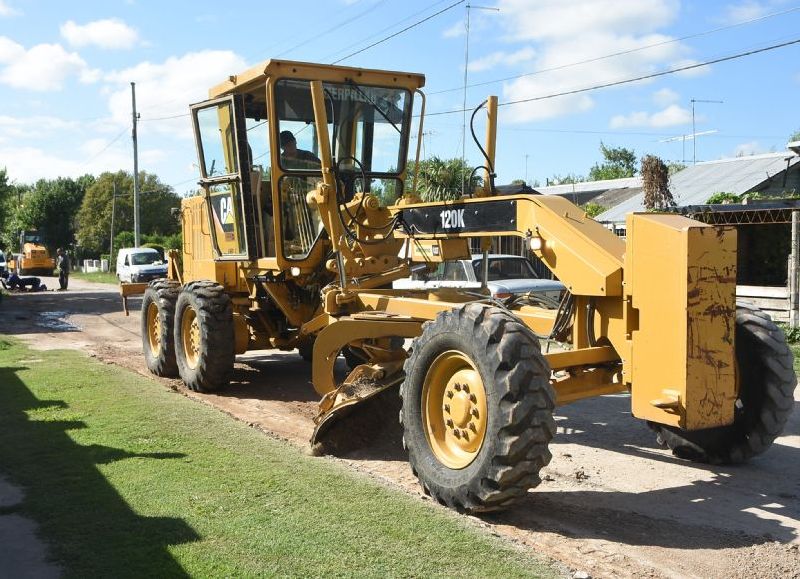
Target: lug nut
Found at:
x=474, y=412
x=449, y=423
x=449, y=393
x=457, y=433
x=447, y=408
x=472, y=427
x=457, y=387
x=466, y=388
x=473, y=398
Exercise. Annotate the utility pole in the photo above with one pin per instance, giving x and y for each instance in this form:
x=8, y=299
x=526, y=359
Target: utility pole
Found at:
x=694, y=132
x=113, y=210
x=464, y=107
x=136, y=231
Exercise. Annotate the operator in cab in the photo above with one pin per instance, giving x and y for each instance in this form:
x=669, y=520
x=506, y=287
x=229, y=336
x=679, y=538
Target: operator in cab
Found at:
x=294, y=158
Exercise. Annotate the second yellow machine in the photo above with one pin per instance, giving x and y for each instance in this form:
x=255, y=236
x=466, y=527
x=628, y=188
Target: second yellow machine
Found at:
x=308, y=214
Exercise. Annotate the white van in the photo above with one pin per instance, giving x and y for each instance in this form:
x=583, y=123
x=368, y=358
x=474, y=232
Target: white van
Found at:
x=140, y=264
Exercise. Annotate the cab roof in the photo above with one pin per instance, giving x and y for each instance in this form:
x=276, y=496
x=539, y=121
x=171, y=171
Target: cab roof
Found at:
x=258, y=75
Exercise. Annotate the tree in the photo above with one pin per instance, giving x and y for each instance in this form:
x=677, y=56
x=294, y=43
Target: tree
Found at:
x=50, y=206
x=442, y=179
x=795, y=136
x=593, y=209
x=674, y=167
x=567, y=179
x=155, y=207
x=655, y=184
x=619, y=163
x=8, y=198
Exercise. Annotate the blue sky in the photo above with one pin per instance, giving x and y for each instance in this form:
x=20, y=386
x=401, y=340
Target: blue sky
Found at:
x=66, y=68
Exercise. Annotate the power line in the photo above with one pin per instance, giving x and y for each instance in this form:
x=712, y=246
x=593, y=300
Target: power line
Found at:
x=176, y=116
x=620, y=53
x=333, y=28
x=382, y=30
x=399, y=32
x=104, y=149
x=634, y=79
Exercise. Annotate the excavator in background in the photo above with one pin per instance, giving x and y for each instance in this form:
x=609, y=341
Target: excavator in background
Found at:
x=307, y=215
x=33, y=257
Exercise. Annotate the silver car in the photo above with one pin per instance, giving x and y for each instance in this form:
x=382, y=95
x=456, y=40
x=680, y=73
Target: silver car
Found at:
x=509, y=275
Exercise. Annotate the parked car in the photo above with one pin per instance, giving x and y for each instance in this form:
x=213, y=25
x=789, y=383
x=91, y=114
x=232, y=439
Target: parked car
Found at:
x=3, y=264
x=140, y=264
x=509, y=275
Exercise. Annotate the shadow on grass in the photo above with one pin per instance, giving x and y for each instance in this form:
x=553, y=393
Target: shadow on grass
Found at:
x=91, y=529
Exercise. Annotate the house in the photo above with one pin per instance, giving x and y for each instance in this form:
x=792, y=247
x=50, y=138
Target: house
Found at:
x=774, y=175
x=607, y=193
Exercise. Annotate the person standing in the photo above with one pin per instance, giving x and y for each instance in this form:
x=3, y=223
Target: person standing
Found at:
x=63, y=266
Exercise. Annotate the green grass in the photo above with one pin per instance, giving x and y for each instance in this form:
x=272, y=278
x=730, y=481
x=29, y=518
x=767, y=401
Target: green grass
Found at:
x=128, y=479
x=796, y=351
x=97, y=276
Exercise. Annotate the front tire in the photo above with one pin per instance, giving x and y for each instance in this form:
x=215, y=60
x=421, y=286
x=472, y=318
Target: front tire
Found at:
x=204, y=336
x=766, y=397
x=158, y=317
x=477, y=411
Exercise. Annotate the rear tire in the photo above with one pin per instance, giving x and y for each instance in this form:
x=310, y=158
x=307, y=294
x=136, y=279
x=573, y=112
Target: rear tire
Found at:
x=204, y=336
x=766, y=397
x=477, y=370
x=158, y=336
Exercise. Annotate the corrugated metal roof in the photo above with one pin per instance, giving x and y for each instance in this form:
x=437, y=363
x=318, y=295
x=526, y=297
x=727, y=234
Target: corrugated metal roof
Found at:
x=695, y=184
x=590, y=186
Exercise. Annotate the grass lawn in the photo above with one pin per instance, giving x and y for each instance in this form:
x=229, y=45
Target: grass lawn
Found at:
x=796, y=351
x=129, y=479
x=96, y=276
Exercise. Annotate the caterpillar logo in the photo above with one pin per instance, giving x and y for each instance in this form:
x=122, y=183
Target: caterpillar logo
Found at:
x=452, y=218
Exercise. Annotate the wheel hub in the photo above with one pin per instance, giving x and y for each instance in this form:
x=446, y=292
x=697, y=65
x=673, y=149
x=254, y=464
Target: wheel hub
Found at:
x=154, y=327
x=454, y=409
x=190, y=332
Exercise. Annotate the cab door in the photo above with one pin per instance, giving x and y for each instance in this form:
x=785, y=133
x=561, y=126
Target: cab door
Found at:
x=221, y=139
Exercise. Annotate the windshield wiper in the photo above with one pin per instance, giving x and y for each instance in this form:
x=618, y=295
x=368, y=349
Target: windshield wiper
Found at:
x=372, y=102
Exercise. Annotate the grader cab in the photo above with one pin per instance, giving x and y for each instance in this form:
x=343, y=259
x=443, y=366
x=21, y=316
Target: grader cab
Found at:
x=307, y=216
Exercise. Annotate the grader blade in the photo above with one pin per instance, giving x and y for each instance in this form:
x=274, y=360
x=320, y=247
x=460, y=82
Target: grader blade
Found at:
x=364, y=382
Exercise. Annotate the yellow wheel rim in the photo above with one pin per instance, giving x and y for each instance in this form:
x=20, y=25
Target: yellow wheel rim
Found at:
x=190, y=336
x=454, y=409
x=154, y=329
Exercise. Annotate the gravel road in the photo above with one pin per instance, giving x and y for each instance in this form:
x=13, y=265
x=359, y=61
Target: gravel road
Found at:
x=613, y=503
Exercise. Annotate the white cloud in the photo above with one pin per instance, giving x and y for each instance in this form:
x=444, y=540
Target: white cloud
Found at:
x=110, y=33
x=34, y=127
x=43, y=67
x=564, y=33
x=167, y=88
x=692, y=72
x=747, y=149
x=671, y=116
x=502, y=59
x=558, y=20
x=744, y=11
x=6, y=10
x=10, y=50
x=454, y=31
x=665, y=97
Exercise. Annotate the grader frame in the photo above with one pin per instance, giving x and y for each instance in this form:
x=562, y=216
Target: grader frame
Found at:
x=302, y=255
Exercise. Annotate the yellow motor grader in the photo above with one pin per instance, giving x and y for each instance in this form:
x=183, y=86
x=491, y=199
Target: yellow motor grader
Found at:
x=308, y=214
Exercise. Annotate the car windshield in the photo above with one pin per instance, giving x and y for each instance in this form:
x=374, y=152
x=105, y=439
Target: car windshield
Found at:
x=505, y=268
x=145, y=258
